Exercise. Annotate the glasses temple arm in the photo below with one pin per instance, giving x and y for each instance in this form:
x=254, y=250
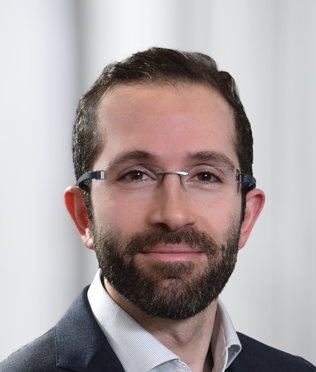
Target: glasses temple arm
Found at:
x=94, y=175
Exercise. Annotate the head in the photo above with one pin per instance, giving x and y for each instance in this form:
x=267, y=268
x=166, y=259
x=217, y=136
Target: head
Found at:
x=168, y=244
x=162, y=67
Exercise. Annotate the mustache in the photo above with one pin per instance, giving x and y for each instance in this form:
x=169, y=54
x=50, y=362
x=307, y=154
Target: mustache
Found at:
x=190, y=236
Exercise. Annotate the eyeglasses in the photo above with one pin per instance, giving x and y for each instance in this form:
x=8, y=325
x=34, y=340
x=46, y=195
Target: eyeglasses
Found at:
x=201, y=181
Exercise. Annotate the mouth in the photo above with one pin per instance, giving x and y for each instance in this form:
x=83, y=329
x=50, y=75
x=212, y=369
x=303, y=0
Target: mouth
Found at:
x=178, y=252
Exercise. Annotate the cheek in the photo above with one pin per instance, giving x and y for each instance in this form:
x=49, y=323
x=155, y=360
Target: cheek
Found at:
x=120, y=212
x=216, y=217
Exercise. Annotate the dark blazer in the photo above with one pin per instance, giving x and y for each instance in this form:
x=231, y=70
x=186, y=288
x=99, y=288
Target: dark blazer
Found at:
x=77, y=343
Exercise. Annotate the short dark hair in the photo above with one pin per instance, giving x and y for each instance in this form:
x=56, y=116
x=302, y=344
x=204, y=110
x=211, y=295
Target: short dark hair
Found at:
x=163, y=67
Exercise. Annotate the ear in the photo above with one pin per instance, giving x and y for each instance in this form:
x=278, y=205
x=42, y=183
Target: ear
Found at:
x=75, y=205
x=254, y=204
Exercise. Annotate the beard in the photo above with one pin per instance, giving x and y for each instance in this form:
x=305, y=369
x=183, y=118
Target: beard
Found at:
x=172, y=289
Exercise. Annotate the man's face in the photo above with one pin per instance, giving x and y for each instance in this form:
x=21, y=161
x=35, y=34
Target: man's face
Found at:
x=168, y=249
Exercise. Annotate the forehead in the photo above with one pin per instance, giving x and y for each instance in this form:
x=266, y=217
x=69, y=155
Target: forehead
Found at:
x=165, y=121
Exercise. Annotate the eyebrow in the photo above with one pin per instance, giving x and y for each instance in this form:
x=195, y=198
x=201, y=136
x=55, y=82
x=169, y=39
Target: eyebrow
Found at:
x=217, y=157
x=131, y=155
x=140, y=155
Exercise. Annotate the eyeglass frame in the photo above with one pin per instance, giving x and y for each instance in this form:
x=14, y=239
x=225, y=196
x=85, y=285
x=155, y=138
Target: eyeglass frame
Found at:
x=241, y=178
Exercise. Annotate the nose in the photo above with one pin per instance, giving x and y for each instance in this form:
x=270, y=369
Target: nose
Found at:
x=171, y=206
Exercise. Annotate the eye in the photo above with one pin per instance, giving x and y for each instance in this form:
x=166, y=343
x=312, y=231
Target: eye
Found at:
x=207, y=177
x=134, y=175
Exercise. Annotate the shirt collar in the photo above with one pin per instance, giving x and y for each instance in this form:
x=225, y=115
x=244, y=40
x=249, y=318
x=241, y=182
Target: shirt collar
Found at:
x=138, y=350
x=225, y=344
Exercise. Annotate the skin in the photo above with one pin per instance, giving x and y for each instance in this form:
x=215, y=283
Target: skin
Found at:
x=168, y=123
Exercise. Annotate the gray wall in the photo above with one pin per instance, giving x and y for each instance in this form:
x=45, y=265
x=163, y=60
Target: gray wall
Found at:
x=52, y=51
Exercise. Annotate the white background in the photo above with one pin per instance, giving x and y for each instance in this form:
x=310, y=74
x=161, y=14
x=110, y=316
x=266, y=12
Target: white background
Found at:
x=53, y=50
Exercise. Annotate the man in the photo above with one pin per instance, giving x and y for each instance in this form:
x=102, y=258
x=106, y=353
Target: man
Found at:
x=165, y=196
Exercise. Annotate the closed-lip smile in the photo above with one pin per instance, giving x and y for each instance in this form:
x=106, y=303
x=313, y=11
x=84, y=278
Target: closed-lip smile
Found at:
x=172, y=252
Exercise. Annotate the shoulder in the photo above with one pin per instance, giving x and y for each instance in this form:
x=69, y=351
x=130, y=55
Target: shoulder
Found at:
x=76, y=343
x=256, y=356
x=38, y=355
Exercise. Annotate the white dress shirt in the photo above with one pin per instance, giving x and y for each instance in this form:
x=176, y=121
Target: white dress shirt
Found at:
x=139, y=351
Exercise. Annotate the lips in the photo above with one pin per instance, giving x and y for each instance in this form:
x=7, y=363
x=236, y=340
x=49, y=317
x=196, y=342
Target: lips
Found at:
x=179, y=252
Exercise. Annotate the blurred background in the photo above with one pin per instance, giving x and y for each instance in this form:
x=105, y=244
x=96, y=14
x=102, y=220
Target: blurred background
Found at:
x=51, y=53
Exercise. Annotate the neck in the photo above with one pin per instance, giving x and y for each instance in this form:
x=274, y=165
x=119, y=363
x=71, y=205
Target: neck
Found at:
x=188, y=338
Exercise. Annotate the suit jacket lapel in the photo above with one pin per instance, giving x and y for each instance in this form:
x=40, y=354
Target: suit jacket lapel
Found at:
x=80, y=343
